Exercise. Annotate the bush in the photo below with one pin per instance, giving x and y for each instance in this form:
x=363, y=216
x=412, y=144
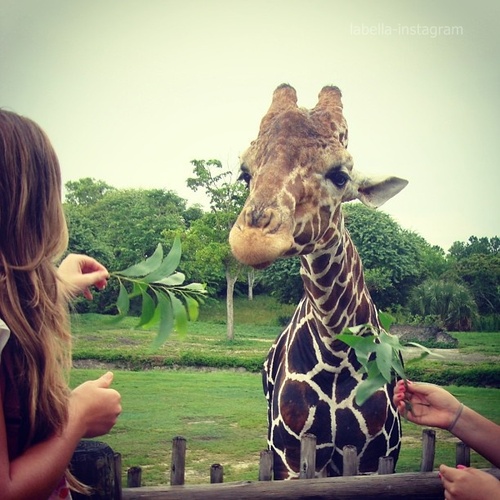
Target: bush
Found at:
x=452, y=302
x=480, y=375
x=487, y=323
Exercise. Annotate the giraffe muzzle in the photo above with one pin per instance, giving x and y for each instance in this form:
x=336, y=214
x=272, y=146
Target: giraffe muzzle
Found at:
x=256, y=246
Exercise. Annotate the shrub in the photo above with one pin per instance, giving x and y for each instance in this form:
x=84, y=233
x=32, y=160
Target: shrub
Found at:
x=452, y=302
x=480, y=375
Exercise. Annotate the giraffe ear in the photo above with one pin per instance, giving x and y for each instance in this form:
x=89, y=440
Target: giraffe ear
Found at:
x=374, y=192
x=284, y=97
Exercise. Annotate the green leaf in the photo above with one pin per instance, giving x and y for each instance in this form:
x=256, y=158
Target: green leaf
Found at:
x=148, y=309
x=368, y=387
x=154, y=320
x=383, y=358
x=145, y=267
x=175, y=279
x=365, y=348
x=350, y=339
x=193, y=308
x=180, y=314
x=166, y=316
x=196, y=287
x=123, y=301
x=137, y=289
x=392, y=340
x=397, y=364
x=386, y=320
x=169, y=264
x=426, y=351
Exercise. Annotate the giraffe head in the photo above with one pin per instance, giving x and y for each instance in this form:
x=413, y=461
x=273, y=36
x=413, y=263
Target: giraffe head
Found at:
x=299, y=172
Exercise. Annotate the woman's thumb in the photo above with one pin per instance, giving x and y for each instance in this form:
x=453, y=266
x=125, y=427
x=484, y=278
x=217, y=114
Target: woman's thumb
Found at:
x=105, y=380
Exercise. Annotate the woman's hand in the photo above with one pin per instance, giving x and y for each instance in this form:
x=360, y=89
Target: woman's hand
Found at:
x=467, y=483
x=81, y=272
x=426, y=404
x=94, y=407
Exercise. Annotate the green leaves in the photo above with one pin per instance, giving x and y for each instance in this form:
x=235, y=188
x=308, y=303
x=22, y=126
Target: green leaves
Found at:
x=166, y=300
x=379, y=353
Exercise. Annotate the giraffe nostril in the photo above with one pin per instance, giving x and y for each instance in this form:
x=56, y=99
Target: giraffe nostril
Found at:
x=259, y=217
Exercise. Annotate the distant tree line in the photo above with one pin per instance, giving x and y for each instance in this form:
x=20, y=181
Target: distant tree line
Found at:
x=410, y=278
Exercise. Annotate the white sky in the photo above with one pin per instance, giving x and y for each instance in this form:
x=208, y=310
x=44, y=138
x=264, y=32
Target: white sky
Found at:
x=130, y=91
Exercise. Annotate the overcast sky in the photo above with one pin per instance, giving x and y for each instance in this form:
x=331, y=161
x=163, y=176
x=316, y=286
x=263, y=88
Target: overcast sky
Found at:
x=130, y=91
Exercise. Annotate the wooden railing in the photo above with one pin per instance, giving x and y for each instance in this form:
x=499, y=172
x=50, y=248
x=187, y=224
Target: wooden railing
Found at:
x=96, y=464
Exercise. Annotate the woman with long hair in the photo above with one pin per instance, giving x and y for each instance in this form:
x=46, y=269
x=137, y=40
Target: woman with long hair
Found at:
x=41, y=420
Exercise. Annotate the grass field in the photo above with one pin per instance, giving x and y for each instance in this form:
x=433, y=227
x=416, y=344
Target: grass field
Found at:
x=221, y=412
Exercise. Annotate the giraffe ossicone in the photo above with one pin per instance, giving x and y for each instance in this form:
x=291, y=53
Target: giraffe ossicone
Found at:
x=299, y=173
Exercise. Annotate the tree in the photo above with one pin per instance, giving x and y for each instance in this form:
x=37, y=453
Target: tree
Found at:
x=485, y=246
x=476, y=263
x=392, y=257
x=282, y=280
x=226, y=199
x=86, y=191
x=481, y=274
x=451, y=302
x=132, y=220
x=120, y=227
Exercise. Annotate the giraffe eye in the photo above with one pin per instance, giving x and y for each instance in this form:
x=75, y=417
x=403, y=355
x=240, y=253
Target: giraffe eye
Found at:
x=245, y=177
x=338, y=178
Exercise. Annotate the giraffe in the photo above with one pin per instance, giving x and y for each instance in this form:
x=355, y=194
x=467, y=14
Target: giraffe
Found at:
x=299, y=173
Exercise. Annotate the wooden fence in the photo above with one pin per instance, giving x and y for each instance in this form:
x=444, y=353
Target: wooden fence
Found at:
x=96, y=464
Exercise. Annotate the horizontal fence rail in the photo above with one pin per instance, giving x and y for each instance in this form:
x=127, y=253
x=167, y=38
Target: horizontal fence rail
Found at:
x=97, y=465
x=409, y=485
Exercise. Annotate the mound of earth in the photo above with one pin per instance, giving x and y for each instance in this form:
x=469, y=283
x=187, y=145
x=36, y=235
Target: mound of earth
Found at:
x=434, y=334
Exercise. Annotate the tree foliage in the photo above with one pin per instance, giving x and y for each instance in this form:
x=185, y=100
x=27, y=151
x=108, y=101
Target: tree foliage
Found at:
x=476, y=263
x=475, y=246
x=122, y=226
x=449, y=301
x=282, y=280
x=208, y=237
x=86, y=191
x=119, y=227
x=393, y=258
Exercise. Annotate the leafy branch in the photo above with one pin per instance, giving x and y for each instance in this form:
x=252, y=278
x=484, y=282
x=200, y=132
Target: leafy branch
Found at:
x=166, y=300
x=380, y=355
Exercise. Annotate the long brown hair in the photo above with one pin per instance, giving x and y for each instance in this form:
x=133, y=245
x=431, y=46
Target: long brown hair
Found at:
x=33, y=303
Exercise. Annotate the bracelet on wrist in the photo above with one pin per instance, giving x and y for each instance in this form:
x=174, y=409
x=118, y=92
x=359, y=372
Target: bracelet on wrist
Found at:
x=457, y=416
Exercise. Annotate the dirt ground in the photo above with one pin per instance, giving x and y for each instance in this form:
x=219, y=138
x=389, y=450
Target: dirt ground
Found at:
x=451, y=356
x=442, y=355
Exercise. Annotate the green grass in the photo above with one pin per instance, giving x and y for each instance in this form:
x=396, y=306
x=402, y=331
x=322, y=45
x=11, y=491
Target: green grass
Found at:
x=487, y=343
x=222, y=412
x=206, y=344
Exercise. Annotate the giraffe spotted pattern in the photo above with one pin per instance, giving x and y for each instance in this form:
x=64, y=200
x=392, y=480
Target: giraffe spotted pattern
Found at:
x=299, y=173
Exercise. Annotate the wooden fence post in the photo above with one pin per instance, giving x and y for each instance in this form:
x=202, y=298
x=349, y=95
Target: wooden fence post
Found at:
x=350, y=460
x=178, y=465
x=93, y=463
x=385, y=465
x=428, y=450
x=216, y=473
x=307, y=456
x=462, y=454
x=134, y=477
x=266, y=465
x=118, y=476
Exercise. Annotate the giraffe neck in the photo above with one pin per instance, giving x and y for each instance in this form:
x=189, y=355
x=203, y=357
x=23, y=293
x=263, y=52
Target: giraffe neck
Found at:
x=335, y=289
